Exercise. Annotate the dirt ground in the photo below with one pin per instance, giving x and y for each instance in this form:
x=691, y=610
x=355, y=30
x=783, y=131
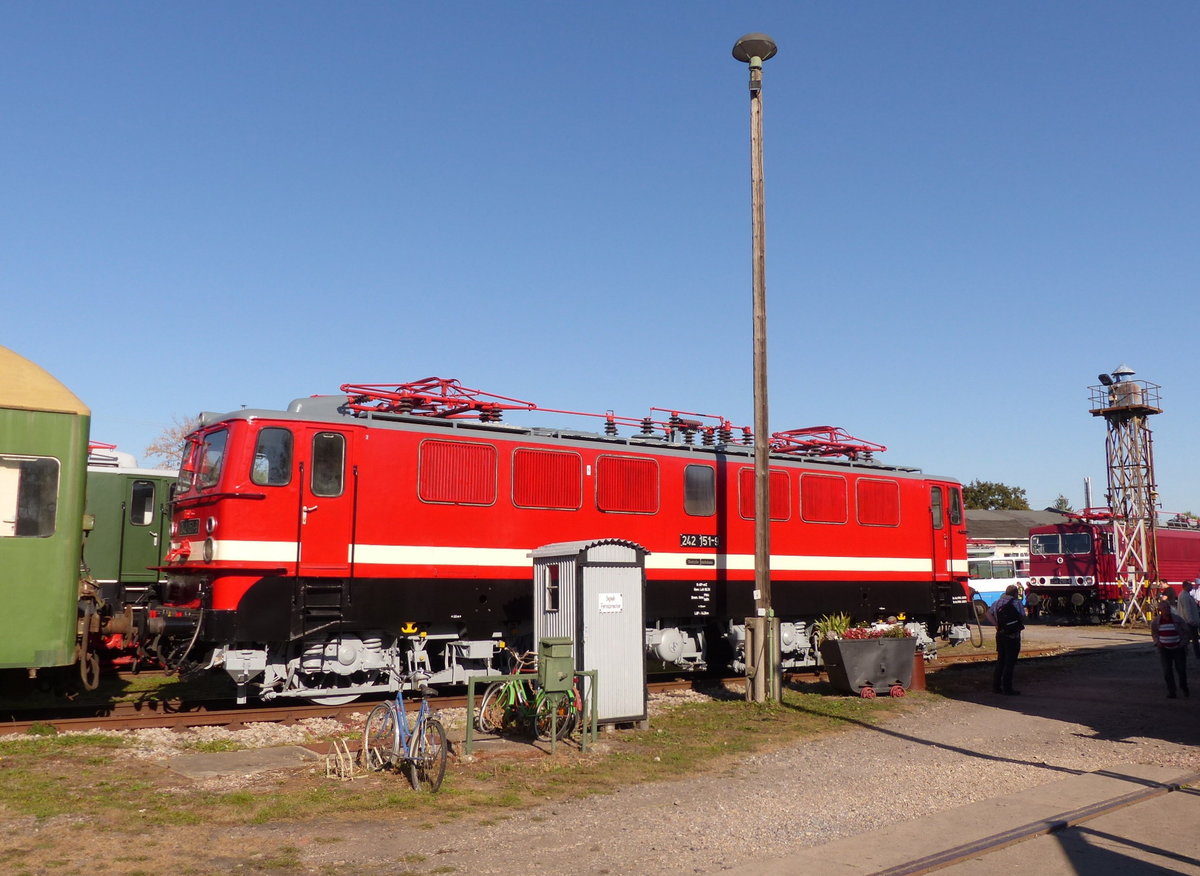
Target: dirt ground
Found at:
x=1094, y=711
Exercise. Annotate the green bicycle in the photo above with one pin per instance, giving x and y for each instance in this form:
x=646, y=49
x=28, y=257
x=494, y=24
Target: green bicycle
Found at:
x=519, y=704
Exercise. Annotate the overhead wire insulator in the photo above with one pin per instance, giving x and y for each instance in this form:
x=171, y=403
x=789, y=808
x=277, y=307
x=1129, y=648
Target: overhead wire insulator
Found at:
x=747, y=435
x=610, y=426
x=707, y=437
x=725, y=432
x=647, y=426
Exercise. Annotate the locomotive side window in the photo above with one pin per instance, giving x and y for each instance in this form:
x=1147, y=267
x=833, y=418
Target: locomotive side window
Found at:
x=779, y=488
x=937, y=507
x=456, y=472
x=878, y=502
x=28, y=496
x=272, y=465
x=626, y=485
x=141, y=503
x=211, y=455
x=547, y=479
x=700, y=490
x=956, y=510
x=823, y=498
x=328, y=464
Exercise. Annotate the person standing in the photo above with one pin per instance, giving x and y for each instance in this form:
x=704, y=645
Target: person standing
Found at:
x=1167, y=630
x=1190, y=612
x=1007, y=615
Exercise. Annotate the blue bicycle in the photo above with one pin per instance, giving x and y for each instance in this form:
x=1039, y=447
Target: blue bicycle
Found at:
x=394, y=739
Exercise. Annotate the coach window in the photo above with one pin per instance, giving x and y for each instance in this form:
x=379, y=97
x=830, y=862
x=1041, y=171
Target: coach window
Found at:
x=328, y=463
x=141, y=503
x=273, y=458
x=700, y=490
x=935, y=504
x=28, y=496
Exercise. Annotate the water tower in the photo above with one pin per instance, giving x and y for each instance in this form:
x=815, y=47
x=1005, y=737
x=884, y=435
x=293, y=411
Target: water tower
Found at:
x=1126, y=406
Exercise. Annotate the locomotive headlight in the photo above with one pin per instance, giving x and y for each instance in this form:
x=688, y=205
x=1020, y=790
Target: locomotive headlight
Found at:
x=210, y=524
x=208, y=550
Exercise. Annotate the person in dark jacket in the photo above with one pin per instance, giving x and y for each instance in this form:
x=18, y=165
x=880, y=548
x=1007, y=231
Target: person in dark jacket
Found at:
x=1008, y=637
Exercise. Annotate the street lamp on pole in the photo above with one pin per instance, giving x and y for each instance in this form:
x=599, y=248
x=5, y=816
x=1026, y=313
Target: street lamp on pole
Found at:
x=752, y=49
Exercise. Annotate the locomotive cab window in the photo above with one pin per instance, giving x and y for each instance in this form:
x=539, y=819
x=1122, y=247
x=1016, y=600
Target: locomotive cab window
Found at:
x=141, y=503
x=937, y=507
x=1064, y=543
x=272, y=465
x=28, y=496
x=210, y=457
x=700, y=490
x=956, y=513
x=328, y=464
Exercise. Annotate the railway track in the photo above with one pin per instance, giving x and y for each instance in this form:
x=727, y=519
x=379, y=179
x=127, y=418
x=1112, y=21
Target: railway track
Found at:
x=219, y=713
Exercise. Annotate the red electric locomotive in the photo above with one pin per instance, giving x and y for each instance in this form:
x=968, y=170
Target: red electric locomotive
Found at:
x=323, y=551
x=1073, y=570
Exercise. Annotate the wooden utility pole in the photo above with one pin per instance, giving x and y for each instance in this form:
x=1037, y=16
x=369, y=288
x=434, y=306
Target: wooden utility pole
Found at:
x=762, y=665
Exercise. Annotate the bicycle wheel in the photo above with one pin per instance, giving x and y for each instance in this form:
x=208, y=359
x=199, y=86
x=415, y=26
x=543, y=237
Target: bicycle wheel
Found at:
x=555, y=714
x=381, y=738
x=427, y=765
x=490, y=716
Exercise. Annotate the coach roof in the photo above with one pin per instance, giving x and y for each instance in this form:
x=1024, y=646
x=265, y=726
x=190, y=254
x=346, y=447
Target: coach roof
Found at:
x=30, y=387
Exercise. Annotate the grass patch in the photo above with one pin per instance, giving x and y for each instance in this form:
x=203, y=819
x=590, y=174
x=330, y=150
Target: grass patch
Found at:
x=79, y=777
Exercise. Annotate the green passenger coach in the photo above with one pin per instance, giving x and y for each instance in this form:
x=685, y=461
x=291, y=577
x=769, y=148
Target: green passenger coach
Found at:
x=129, y=509
x=43, y=454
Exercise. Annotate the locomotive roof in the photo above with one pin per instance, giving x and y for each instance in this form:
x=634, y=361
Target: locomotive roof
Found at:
x=30, y=387
x=332, y=409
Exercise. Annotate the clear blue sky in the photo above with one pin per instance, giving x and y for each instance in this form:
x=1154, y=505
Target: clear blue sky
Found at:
x=972, y=210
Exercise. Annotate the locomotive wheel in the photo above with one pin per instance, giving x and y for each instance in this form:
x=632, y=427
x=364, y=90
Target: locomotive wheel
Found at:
x=89, y=670
x=897, y=690
x=333, y=699
x=381, y=738
x=867, y=693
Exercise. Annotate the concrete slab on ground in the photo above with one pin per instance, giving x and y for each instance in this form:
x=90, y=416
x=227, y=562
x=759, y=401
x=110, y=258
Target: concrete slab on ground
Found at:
x=257, y=760
x=982, y=837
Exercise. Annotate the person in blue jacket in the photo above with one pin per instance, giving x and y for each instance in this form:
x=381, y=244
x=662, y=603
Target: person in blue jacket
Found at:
x=1007, y=615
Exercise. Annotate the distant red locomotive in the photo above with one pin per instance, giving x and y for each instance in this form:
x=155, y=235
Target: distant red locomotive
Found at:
x=325, y=550
x=1073, y=570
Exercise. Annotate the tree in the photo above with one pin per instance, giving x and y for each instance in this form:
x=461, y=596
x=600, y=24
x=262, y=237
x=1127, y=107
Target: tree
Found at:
x=167, y=448
x=992, y=496
x=1062, y=503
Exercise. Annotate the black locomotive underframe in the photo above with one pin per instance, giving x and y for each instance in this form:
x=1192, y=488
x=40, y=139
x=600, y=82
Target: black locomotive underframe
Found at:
x=481, y=608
